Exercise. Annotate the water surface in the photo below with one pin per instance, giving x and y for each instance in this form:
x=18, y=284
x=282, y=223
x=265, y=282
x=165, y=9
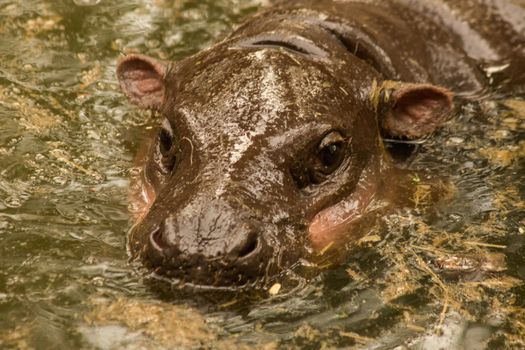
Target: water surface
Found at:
x=66, y=153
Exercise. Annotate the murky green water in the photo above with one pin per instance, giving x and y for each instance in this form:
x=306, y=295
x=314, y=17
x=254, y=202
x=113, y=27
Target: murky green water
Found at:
x=66, y=153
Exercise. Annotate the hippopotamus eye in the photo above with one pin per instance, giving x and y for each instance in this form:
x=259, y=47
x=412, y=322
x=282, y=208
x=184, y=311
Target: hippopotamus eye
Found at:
x=165, y=141
x=325, y=159
x=330, y=153
x=166, y=157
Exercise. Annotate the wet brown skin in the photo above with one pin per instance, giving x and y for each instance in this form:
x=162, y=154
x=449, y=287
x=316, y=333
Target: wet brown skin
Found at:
x=270, y=147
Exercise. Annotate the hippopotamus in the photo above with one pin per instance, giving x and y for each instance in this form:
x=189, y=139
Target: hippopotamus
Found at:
x=270, y=146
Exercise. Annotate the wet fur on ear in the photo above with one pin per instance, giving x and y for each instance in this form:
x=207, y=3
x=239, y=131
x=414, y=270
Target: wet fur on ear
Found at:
x=409, y=110
x=141, y=79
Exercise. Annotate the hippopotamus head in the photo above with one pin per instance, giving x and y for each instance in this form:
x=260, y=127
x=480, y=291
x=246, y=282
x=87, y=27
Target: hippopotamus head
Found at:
x=269, y=149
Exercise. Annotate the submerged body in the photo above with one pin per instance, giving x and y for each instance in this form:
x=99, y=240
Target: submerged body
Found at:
x=271, y=142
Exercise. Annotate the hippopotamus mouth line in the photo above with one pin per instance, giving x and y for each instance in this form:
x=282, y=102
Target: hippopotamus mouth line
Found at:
x=180, y=284
x=249, y=285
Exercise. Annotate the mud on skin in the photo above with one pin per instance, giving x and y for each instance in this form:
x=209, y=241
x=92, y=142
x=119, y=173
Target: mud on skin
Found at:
x=270, y=146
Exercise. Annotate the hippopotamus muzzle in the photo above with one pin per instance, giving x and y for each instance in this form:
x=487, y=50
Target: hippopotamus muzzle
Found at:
x=210, y=242
x=269, y=150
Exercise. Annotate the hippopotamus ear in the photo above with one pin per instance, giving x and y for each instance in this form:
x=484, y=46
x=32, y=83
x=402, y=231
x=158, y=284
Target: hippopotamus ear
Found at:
x=411, y=110
x=141, y=78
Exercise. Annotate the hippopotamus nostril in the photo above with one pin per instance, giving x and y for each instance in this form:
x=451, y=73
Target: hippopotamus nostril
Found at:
x=249, y=246
x=157, y=240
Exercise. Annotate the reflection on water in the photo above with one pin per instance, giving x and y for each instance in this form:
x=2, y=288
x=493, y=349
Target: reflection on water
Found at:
x=446, y=277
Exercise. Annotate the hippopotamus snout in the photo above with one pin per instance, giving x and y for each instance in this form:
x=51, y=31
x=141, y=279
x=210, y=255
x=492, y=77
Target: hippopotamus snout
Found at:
x=208, y=242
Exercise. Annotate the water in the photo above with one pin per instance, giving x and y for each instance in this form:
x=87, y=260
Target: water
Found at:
x=66, y=153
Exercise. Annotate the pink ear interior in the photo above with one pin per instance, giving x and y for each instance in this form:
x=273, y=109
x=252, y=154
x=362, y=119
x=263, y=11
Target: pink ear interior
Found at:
x=418, y=109
x=142, y=80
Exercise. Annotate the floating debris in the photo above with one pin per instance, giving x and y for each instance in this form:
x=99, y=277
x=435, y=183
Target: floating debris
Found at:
x=496, y=69
x=274, y=290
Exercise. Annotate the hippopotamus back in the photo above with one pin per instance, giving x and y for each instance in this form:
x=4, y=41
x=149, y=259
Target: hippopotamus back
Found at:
x=464, y=45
